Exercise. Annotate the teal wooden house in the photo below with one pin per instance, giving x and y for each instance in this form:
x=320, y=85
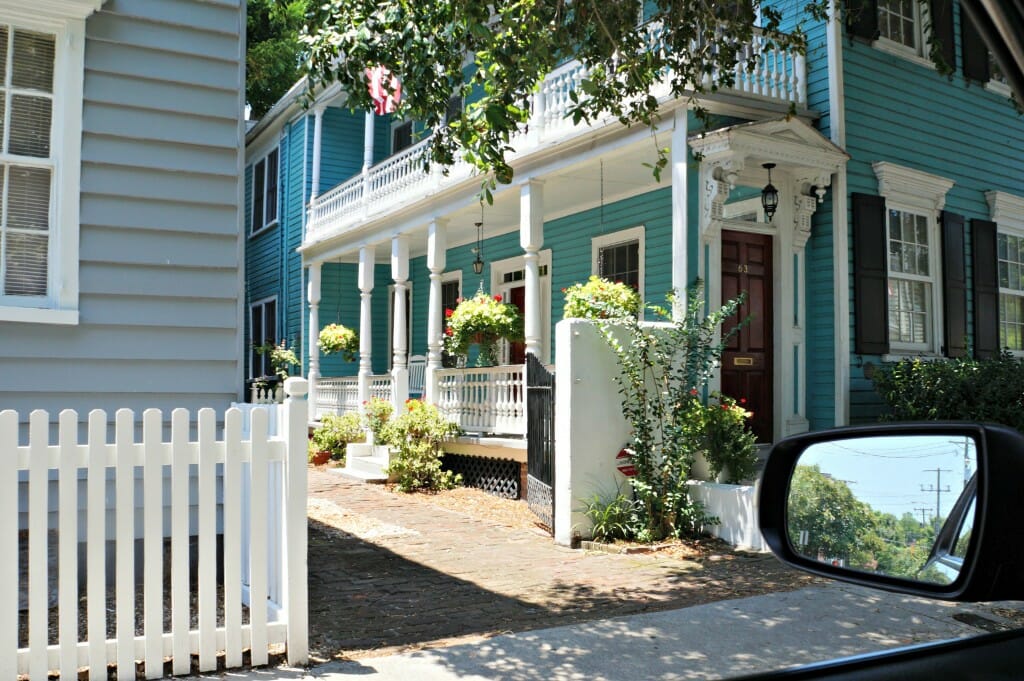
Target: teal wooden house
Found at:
x=899, y=227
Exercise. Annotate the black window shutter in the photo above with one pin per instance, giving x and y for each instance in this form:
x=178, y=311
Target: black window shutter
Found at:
x=942, y=29
x=862, y=19
x=954, y=285
x=974, y=51
x=986, y=289
x=870, y=275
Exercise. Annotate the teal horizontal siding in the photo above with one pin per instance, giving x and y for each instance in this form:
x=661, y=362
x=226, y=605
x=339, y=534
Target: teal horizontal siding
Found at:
x=914, y=117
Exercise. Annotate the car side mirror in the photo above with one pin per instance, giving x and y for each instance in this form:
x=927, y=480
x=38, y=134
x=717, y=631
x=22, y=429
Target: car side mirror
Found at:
x=931, y=509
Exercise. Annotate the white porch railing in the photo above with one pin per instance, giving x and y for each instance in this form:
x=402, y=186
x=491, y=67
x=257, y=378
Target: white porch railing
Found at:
x=488, y=400
x=340, y=395
x=779, y=76
x=136, y=469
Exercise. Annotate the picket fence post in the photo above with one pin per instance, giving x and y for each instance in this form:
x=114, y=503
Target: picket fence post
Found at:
x=295, y=431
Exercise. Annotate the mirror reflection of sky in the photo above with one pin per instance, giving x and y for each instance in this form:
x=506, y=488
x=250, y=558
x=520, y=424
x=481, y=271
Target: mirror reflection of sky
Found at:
x=897, y=473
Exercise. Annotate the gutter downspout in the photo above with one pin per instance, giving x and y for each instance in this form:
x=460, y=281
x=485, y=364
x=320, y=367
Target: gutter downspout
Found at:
x=840, y=222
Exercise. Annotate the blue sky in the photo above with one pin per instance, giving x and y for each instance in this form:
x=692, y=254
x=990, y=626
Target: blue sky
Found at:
x=888, y=472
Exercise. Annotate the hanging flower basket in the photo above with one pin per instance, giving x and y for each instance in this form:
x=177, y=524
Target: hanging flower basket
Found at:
x=337, y=338
x=482, y=320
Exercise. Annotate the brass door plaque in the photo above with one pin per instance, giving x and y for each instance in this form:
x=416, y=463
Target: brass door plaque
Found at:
x=743, y=361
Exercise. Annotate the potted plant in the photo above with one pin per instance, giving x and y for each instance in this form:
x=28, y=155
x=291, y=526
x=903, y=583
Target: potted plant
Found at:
x=482, y=320
x=729, y=444
x=339, y=338
x=599, y=298
x=282, y=359
x=331, y=438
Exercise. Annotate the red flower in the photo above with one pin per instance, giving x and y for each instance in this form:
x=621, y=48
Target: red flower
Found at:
x=448, y=332
x=693, y=391
x=743, y=400
x=448, y=312
x=497, y=298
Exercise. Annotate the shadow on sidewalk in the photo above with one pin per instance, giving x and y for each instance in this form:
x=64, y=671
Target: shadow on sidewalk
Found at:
x=364, y=597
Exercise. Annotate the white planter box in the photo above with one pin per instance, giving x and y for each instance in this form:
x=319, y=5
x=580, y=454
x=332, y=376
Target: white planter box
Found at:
x=735, y=506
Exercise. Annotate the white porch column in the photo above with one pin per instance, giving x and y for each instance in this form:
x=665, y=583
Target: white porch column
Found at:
x=400, y=331
x=313, y=298
x=318, y=124
x=531, y=238
x=366, y=258
x=680, y=155
x=437, y=246
x=367, y=158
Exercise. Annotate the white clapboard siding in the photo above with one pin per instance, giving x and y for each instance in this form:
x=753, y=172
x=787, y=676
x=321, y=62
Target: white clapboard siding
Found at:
x=251, y=544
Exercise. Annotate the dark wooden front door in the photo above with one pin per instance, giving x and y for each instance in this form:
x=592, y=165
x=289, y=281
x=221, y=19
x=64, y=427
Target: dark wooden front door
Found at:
x=517, y=351
x=747, y=360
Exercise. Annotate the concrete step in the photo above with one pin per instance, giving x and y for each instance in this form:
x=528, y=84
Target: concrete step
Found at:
x=361, y=476
x=371, y=465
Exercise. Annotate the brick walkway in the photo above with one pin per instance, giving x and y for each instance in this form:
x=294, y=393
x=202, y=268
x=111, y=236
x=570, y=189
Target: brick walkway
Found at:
x=434, y=575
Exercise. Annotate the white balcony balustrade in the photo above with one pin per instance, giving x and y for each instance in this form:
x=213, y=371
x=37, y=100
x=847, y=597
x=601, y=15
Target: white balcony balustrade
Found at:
x=340, y=395
x=778, y=76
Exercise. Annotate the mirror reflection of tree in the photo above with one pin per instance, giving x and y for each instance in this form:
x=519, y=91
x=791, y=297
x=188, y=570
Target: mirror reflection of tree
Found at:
x=826, y=522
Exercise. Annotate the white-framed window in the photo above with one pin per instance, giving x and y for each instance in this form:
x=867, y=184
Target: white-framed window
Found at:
x=1008, y=214
x=262, y=331
x=451, y=292
x=912, y=280
x=401, y=136
x=1010, y=259
x=41, y=67
x=997, y=79
x=265, y=182
x=913, y=201
x=902, y=29
x=619, y=257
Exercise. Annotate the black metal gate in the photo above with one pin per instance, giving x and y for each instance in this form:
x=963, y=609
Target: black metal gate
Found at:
x=540, y=440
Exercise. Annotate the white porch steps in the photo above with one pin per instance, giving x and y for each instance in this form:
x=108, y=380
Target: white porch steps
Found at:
x=367, y=463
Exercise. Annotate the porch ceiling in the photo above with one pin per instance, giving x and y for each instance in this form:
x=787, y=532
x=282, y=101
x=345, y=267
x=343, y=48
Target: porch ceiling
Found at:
x=569, y=187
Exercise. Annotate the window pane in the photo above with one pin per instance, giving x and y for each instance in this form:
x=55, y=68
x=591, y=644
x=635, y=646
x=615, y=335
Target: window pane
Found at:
x=621, y=263
x=30, y=126
x=33, y=60
x=3, y=55
x=28, y=198
x=258, y=178
x=1002, y=246
x=1011, y=327
x=25, y=257
x=271, y=211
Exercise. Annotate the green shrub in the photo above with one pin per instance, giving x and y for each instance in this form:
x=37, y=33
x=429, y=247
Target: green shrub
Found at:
x=600, y=299
x=376, y=414
x=954, y=389
x=729, y=444
x=613, y=518
x=335, y=432
x=663, y=369
x=416, y=438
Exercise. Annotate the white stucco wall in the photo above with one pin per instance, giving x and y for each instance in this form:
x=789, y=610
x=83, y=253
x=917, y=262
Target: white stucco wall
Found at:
x=589, y=428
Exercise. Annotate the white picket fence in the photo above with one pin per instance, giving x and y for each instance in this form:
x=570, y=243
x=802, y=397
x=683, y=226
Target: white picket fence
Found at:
x=151, y=459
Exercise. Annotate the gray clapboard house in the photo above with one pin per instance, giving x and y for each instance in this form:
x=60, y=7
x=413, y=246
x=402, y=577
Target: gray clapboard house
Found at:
x=120, y=227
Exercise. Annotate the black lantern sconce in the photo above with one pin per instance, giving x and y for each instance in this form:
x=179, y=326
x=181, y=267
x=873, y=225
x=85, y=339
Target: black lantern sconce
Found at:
x=478, y=263
x=769, y=195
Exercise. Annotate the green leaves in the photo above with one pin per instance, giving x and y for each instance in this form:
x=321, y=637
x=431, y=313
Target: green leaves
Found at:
x=662, y=370
x=509, y=46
